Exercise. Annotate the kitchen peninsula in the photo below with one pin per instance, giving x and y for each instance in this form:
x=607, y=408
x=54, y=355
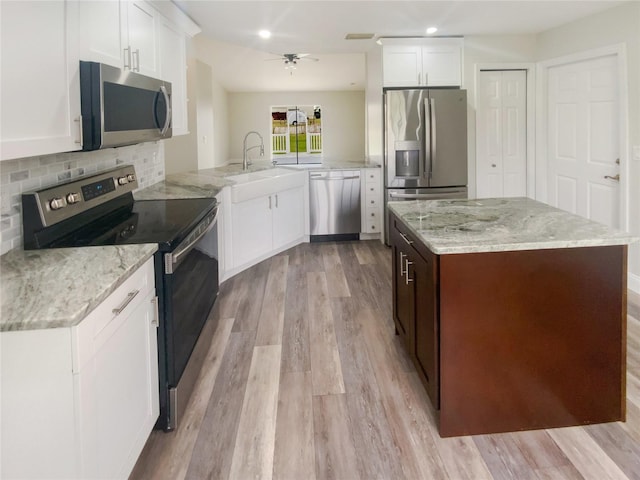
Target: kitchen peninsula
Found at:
x=514, y=312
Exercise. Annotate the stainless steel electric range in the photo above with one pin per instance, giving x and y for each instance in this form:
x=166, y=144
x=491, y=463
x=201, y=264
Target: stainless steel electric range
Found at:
x=100, y=210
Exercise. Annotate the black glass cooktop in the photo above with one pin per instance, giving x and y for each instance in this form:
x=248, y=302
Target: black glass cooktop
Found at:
x=165, y=222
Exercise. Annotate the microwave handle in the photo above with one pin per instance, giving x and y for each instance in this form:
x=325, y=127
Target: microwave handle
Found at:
x=167, y=102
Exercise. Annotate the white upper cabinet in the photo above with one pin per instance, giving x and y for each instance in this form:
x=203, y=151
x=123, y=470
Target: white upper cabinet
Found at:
x=432, y=62
x=40, y=88
x=141, y=34
x=120, y=33
x=173, y=68
x=100, y=33
x=402, y=65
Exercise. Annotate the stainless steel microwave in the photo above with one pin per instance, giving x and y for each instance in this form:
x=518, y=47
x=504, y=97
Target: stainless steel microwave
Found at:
x=120, y=107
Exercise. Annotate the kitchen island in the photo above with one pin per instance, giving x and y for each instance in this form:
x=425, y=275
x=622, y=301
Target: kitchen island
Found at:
x=513, y=312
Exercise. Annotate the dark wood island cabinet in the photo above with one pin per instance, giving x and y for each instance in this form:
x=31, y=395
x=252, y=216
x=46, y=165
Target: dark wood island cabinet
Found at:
x=516, y=334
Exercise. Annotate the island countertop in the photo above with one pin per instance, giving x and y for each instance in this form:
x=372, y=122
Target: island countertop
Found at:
x=501, y=224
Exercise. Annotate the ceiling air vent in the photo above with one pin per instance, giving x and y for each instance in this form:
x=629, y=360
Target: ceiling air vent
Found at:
x=359, y=36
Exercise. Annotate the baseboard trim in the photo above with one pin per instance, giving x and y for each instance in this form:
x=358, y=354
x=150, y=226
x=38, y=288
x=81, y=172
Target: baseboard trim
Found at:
x=633, y=283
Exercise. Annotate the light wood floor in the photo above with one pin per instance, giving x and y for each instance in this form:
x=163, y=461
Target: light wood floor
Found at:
x=305, y=379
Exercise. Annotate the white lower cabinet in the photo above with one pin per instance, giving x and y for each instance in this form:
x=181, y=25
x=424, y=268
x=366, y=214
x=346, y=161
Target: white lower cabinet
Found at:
x=371, y=201
x=263, y=225
x=80, y=402
x=252, y=229
x=288, y=217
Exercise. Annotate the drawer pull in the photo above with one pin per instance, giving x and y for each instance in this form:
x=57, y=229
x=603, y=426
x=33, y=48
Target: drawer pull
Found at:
x=409, y=242
x=127, y=301
x=406, y=270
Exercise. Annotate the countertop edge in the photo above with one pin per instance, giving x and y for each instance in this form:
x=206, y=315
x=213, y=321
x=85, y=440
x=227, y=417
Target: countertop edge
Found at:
x=86, y=305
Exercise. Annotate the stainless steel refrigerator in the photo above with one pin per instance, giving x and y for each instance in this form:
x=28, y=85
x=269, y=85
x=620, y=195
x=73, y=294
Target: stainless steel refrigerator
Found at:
x=425, y=145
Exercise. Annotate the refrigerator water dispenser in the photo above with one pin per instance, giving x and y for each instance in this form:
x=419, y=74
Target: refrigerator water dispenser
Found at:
x=407, y=159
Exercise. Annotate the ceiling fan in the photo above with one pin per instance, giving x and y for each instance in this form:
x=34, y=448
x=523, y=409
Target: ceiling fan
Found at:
x=291, y=59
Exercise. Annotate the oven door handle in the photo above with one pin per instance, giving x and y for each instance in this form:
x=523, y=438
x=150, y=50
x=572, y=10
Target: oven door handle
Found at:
x=171, y=259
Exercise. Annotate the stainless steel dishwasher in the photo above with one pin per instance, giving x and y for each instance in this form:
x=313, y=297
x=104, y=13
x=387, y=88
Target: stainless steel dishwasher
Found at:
x=335, y=205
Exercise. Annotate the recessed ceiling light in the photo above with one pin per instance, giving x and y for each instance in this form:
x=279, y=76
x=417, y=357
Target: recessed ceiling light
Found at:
x=431, y=30
x=264, y=34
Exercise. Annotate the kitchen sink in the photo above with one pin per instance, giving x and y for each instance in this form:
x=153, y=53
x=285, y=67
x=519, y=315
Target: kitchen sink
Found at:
x=264, y=182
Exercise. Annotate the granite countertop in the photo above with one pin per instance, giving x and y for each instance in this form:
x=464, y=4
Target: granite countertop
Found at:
x=501, y=224
x=53, y=288
x=207, y=183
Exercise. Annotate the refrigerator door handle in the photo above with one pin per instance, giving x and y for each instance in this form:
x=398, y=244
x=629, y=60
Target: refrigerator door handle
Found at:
x=424, y=196
x=434, y=151
x=426, y=172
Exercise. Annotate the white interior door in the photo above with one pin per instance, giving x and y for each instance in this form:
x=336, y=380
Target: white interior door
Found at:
x=501, y=146
x=583, y=132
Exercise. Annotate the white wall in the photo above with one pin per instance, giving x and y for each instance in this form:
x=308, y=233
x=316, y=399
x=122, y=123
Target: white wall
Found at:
x=343, y=119
x=220, y=124
x=207, y=143
x=614, y=26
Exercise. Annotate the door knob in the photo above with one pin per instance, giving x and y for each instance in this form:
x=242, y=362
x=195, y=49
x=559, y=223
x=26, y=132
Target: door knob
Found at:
x=616, y=177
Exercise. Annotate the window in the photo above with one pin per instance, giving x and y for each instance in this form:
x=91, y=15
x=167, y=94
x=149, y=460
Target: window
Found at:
x=296, y=134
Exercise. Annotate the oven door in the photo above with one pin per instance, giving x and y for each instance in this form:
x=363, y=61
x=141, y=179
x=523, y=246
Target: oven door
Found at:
x=190, y=289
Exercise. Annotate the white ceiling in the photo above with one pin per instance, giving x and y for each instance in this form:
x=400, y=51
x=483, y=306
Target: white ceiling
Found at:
x=319, y=28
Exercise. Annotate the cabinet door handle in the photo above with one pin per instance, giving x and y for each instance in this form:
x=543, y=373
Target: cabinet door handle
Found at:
x=127, y=58
x=276, y=200
x=406, y=239
x=406, y=269
x=127, y=301
x=156, y=317
x=81, y=141
x=136, y=56
x=402, y=255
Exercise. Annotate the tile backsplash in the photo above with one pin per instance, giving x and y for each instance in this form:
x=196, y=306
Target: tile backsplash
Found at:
x=33, y=173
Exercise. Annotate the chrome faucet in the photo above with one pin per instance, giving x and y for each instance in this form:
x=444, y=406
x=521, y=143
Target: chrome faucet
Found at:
x=245, y=161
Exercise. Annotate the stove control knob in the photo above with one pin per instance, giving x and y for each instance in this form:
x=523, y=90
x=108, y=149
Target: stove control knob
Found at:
x=57, y=203
x=131, y=177
x=122, y=180
x=73, y=198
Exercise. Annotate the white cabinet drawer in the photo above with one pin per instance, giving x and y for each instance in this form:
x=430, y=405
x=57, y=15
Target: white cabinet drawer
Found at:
x=372, y=220
x=371, y=201
x=373, y=215
x=372, y=227
x=99, y=325
x=372, y=175
x=371, y=191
